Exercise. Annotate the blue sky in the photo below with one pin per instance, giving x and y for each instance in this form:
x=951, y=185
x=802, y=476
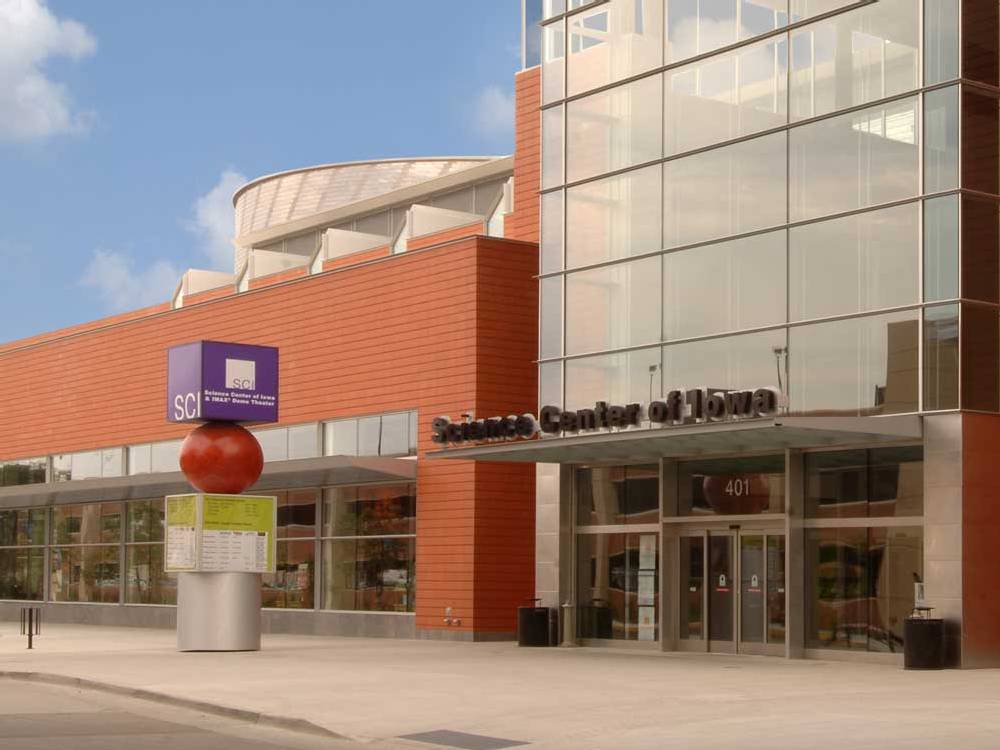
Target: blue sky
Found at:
x=125, y=126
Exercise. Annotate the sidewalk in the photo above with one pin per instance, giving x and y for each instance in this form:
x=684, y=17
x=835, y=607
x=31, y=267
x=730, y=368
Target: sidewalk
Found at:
x=552, y=698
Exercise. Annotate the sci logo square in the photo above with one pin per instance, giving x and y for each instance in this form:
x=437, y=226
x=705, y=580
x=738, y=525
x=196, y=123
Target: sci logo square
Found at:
x=241, y=374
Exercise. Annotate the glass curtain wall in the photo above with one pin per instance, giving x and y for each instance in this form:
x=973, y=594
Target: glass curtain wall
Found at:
x=22, y=553
x=781, y=178
x=145, y=580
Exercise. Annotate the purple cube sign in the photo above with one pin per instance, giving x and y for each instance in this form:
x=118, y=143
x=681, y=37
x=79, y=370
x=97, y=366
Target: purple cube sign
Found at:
x=216, y=380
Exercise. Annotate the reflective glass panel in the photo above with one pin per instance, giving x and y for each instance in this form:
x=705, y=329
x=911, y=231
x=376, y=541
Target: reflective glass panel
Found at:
x=613, y=41
x=374, y=575
x=856, y=367
x=613, y=495
x=941, y=248
x=750, y=361
x=730, y=286
x=297, y=513
x=721, y=585
x=302, y=441
x=855, y=160
x=729, y=190
x=21, y=527
x=552, y=147
x=91, y=523
x=628, y=377
x=145, y=580
x=695, y=27
x=941, y=357
x=613, y=218
x=852, y=58
x=725, y=97
x=550, y=384
x=22, y=573
x=940, y=41
x=879, y=482
x=140, y=459
x=370, y=510
x=775, y=589
x=291, y=585
x=550, y=304
x=145, y=520
x=369, y=436
x=867, y=261
x=341, y=438
x=618, y=586
x=165, y=456
x=613, y=129
x=85, y=574
x=613, y=307
x=692, y=595
x=731, y=486
x=553, y=61
x=394, y=439
x=23, y=471
x=551, y=241
x=941, y=140
x=752, y=597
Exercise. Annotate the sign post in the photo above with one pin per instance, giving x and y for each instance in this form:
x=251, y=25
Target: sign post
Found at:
x=218, y=541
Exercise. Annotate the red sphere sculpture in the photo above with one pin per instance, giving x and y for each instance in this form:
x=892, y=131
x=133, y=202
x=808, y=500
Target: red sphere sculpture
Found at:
x=221, y=457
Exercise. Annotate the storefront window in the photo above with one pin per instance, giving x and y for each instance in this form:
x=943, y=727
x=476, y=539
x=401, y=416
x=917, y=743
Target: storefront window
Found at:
x=368, y=548
x=618, y=586
x=612, y=495
x=22, y=553
x=731, y=486
x=22, y=471
x=865, y=483
x=145, y=580
x=859, y=586
x=88, y=573
x=291, y=585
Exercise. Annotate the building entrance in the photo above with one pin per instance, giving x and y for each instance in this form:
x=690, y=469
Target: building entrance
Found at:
x=732, y=585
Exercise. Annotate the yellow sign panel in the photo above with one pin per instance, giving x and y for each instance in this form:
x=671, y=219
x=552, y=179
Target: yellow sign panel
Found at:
x=220, y=533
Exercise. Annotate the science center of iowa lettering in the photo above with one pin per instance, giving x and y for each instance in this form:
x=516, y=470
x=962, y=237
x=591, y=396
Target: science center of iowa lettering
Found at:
x=679, y=407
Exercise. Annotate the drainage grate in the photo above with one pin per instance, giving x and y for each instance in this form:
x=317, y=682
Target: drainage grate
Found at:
x=461, y=740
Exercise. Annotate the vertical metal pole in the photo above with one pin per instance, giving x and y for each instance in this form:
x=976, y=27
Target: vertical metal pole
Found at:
x=31, y=625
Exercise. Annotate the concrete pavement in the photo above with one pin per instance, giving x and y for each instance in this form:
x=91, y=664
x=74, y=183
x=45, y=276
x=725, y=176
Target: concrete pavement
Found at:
x=378, y=690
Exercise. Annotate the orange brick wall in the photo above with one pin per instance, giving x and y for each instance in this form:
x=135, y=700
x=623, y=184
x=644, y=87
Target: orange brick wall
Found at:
x=445, y=235
x=444, y=330
x=523, y=223
x=381, y=251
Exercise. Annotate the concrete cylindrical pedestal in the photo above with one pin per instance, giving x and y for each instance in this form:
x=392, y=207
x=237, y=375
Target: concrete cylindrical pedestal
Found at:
x=218, y=612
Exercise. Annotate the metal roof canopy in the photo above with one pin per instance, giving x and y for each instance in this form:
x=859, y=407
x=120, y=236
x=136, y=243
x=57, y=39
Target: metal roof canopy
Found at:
x=722, y=438
x=280, y=475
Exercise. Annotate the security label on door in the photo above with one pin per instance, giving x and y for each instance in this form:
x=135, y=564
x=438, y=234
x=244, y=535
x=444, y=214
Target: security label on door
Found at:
x=723, y=585
x=754, y=587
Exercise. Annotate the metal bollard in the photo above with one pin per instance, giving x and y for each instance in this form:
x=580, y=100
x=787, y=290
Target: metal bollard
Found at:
x=31, y=623
x=568, y=625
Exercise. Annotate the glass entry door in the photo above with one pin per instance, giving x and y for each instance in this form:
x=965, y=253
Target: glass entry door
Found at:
x=732, y=587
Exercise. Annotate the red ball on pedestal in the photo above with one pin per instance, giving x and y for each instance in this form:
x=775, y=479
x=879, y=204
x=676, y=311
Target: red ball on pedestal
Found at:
x=221, y=457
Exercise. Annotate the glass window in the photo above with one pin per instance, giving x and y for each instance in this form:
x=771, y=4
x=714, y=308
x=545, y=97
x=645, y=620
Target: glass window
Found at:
x=941, y=357
x=550, y=384
x=618, y=586
x=23, y=471
x=855, y=160
x=746, y=362
x=369, y=436
x=146, y=581
x=553, y=61
x=412, y=435
x=370, y=510
x=551, y=319
x=941, y=248
x=614, y=495
x=852, y=58
x=731, y=486
x=613, y=41
x=628, y=377
x=856, y=367
x=613, y=307
x=725, y=191
x=863, y=262
x=551, y=240
x=62, y=467
x=145, y=520
x=730, y=286
x=552, y=147
x=85, y=574
x=553, y=8
x=302, y=441
x=297, y=513
x=90, y=523
x=341, y=437
x=803, y=9
x=374, y=575
x=692, y=578
x=940, y=41
x=140, y=458
x=613, y=129
x=865, y=483
x=395, y=435
x=532, y=33
x=165, y=456
x=726, y=97
x=112, y=462
x=613, y=218
x=941, y=140
x=859, y=586
x=291, y=585
x=22, y=527
x=22, y=573
x=695, y=27
x=274, y=443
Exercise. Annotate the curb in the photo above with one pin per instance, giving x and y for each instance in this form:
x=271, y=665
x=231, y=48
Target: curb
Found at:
x=253, y=717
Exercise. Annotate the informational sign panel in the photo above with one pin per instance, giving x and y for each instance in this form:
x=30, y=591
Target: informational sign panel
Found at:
x=220, y=533
x=216, y=380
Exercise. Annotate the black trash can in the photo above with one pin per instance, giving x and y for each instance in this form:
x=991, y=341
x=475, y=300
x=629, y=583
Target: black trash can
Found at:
x=923, y=643
x=532, y=626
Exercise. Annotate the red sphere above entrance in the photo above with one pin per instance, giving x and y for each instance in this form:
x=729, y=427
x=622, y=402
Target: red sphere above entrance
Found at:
x=221, y=457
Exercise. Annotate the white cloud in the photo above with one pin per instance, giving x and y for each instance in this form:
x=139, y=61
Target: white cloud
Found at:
x=122, y=287
x=493, y=115
x=214, y=221
x=32, y=105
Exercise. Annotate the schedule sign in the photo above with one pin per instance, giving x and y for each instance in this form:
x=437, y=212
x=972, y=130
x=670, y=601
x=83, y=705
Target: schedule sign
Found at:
x=220, y=533
x=217, y=380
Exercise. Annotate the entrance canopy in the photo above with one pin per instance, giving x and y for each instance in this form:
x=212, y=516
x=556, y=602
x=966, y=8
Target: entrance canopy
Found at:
x=755, y=436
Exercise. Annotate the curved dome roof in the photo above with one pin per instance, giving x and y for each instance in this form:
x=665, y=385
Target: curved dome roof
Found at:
x=279, y=198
